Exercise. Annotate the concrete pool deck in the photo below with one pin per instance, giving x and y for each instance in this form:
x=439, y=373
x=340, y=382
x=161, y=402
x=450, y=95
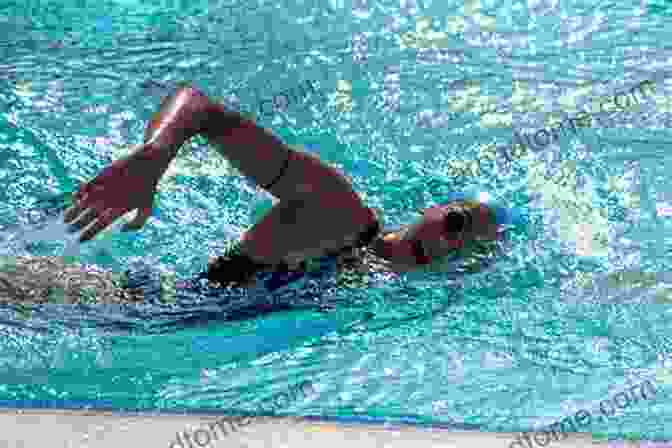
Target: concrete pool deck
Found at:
x=96, y=429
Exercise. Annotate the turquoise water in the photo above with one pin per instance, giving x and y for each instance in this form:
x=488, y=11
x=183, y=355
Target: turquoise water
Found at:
x=405, y=107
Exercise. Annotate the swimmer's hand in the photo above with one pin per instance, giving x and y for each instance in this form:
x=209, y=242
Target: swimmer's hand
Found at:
x=127, y=184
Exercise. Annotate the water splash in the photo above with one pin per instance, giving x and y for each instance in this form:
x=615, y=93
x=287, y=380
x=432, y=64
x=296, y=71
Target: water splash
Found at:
x=20, y=239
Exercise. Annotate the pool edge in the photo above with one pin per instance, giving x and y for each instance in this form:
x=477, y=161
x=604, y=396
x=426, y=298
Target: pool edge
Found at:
x=103, y=429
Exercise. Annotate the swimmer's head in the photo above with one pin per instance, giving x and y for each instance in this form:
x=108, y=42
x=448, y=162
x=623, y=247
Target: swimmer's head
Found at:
x=441, y=230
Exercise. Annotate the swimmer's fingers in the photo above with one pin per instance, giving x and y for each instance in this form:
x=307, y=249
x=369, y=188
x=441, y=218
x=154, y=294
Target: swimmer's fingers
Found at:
x=82, y=220
x=99, y=223
x=71, y=213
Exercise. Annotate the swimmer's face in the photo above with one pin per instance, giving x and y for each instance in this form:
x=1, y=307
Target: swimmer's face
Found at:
x=445, y=228
x=441, y=230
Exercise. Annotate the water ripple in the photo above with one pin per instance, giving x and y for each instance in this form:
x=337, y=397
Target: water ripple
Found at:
x=428, y=101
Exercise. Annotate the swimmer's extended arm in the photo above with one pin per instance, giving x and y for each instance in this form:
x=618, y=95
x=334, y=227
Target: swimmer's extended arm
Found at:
x=318, y=209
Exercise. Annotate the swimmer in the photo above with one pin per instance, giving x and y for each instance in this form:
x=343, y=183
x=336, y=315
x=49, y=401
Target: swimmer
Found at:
x=318, y=214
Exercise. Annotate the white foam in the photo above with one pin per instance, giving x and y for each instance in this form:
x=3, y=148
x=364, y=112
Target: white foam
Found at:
x=55, y=229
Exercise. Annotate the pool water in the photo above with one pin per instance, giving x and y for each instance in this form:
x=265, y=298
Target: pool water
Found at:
x=413, y=100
